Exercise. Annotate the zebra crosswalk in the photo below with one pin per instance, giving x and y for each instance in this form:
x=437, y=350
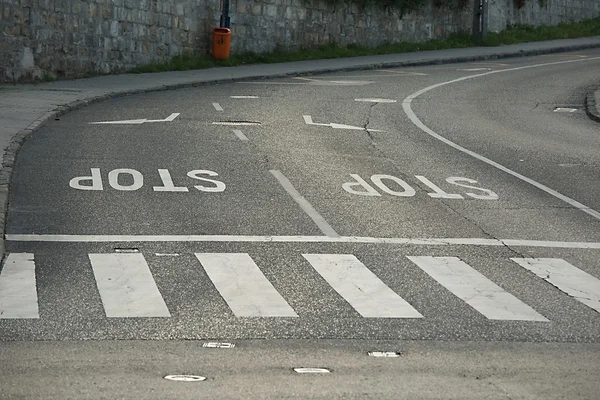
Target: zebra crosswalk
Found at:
x=127, y=288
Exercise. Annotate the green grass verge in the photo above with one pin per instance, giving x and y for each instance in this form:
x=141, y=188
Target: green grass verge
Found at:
x=512, y=35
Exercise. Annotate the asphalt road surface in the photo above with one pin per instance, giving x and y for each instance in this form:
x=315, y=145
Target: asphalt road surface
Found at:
x=448, y=213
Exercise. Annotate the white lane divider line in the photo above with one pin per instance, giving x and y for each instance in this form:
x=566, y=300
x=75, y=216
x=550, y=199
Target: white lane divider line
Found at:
x=300, y=239
x=305, y=205
x=236, y=123
x=244, y=97
x=360, y=287
x=217, y=106
x=245, y=289
x=406, y=105
x=569, y=279
x=240, y=134
x=18, y=293
x=376, y=100
x=475, y=289
x=126, y=286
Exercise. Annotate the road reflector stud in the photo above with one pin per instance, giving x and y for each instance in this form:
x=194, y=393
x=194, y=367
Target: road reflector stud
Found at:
x=312, y=370
x=185, y=378
x=389, y=354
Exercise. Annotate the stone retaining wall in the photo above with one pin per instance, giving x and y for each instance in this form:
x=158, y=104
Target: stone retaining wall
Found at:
x=47, y=39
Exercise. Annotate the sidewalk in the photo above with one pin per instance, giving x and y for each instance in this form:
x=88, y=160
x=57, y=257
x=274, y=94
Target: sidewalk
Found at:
x=24, y=108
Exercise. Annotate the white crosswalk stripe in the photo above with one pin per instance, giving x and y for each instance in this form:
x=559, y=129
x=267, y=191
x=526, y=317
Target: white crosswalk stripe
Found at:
x=475, y=289
x=18, y=293
x=126, y=286
x=243, y=286
x=567, y=278
x=365, y=292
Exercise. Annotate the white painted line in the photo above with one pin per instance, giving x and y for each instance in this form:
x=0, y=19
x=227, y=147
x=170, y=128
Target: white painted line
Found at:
x=406, y=105
x=243, y=286
x=185, y=378
x=244, y=97
x=167, y=254
x=475, y=289
x=360, y=287
x=217, y=106
x=170, y=118
x=18, y=294
x=309, y=121
x=385, y=354
x=312, y=370
x=126, y=286
x=240, y=134
x=576, y=283
x=218, y=345
x=376, y=100
x=565, y=109
x=234, y=123
x=304, y=204
x=300, y=239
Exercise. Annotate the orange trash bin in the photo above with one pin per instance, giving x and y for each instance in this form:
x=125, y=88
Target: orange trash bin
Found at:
x=221, y=43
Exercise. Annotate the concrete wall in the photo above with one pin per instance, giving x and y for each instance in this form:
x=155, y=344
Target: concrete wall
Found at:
x=74, y=38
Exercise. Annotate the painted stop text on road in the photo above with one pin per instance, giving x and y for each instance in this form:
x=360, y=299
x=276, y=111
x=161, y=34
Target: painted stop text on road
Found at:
x=401, y=188
x=127, y=179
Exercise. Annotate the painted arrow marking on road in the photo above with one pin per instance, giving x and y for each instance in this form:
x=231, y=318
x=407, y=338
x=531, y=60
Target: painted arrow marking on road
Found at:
x=138, y=121
x=308, y=120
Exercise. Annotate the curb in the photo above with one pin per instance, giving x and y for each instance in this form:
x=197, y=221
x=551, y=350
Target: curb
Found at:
x=591, y=107
x=17, y=141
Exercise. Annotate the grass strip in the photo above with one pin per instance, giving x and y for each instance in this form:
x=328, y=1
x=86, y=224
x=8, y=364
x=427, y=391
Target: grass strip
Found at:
x=512, y=35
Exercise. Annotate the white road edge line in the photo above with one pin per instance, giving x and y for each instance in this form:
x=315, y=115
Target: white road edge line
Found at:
x=304, y=204
x=240, y=134
x=14, y=237
x=217, y=106
x=406, y=105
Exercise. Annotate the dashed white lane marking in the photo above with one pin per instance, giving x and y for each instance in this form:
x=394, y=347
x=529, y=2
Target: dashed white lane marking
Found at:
x=243, y=286
x=406, y=105
x=376, y=100
x=240, y=134
x=305, y=205
x=14, y=237
x=217, y=106
x=244, y=97
x=475, y=289
x=18, y=293
x=364, y=291
x=236, y=123
x=566, y=277
x=126, y=286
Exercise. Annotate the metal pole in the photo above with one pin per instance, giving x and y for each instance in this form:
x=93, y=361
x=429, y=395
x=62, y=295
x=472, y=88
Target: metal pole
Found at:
x=480, y=19
x=225, y=20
